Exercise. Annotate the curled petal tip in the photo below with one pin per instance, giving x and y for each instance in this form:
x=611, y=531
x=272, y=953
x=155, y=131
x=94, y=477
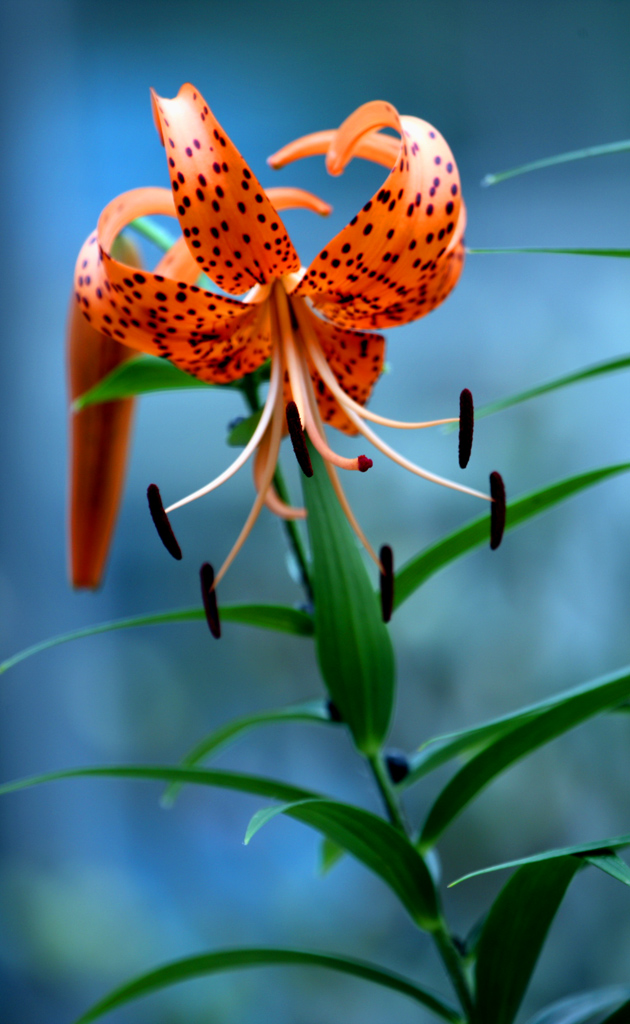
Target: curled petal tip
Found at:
x=156, y=114
x=209, y=595
x=497, y=510
x=364, y=463
x=387, y=582
x=466, y=426
x=162, y=523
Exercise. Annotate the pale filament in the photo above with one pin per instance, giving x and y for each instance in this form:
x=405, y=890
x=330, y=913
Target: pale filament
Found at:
x=266, y=476
x=272, y=500
x=300, y=379
x=343, y=501
x=329, y=379
x=274, y=389
x=321, y=364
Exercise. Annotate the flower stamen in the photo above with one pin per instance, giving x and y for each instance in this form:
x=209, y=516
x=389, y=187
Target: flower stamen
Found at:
x=466, y=426
x=387, y=582
x=161, y=521
x=497, y=510
x=296, y=433
x=209, y=595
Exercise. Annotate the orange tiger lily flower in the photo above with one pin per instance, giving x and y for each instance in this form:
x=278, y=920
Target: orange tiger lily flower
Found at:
x=394, y=262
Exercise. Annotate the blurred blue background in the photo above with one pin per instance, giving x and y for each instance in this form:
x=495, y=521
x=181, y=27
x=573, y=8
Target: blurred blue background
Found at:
x=96, y=880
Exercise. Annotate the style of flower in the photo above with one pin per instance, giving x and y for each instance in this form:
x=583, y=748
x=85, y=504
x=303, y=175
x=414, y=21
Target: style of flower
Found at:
x=396, y=260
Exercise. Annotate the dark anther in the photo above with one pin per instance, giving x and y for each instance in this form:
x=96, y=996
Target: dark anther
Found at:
x=397, y=765
x=162, y=524
x=298, y=440
x=466, y=426
x=209, y=595
x=497, y=510
x=387, y=582
x=364, y=463
x=333, y=712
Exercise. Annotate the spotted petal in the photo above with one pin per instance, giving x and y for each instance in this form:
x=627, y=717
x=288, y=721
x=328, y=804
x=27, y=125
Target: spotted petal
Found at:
x=205, y=334
x=234, y=232
x=387, y=266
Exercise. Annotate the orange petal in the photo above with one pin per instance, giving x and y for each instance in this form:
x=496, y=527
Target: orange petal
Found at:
x=199, y=331
x=234, y=232
x=355, y=358
x=297, y=198
x=99, y=439
x=380, y=149
x=386, y=267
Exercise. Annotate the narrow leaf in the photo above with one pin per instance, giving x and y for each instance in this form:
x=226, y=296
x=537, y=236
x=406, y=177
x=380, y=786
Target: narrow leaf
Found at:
x=265, y=616
x=235, y=959
x=620, y=1016
x=583, y=1008
x=261, y=818
x=521, y=741
x=311, y=711
x=353, y=646
x=257, y=785
x=438, y=751
x=149, y=228
x=611, y=864
x=581, y=849
x=562, y=158
x=513, y=936
x=414, y=573
x=329, y=854
x=138, y=377
x=608, y=366
x=374, y=842
x=622, y=253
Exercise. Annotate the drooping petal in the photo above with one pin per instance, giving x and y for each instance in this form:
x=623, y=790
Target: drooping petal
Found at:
x=234, y=233
x=203, y=333
x=99, y=441
x=355, y=357
x=388, y=265
x=380, y=149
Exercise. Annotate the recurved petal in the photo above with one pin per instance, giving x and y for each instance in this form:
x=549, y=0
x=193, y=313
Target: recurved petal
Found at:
x=382, y=268
x=99, y=440
x=356, y=359
x=199, y=331
x=234, y=233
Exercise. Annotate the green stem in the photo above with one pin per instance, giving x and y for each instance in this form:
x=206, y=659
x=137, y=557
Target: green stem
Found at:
x=455, y=969
x=392, y=806
x=249, y=388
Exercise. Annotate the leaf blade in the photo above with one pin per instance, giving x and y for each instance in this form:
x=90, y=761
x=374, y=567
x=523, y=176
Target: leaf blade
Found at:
x=513, y=936
x=518, y=743
x=418, y=569
x=353, y=646
x=276, y=617
x=234, y=959
x=374, y=842
x=580, y=1009
x=140, y=376
x=563, y=851
x=618, y=253
x=309, y=711
x=562, y=158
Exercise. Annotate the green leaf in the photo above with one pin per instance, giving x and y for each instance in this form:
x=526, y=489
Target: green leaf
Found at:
x=329, y=854
x=353, y=646
x=513, y=936
x=620, y=253
x=562, y=158
x=241, y=432
x=153, y=232
x=377, y=844
x=138, y=377
x=585, y=850
x=414, y=573
x=438, y=751
x=235, y=959
x=610, y=863
x=608, y=366
x=265, y=616
x=310, y=711
x=577, y=706
x=583, y=1008
x=257, y=785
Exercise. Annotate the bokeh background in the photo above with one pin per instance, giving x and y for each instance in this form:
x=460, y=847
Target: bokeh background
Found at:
x=96, y=880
